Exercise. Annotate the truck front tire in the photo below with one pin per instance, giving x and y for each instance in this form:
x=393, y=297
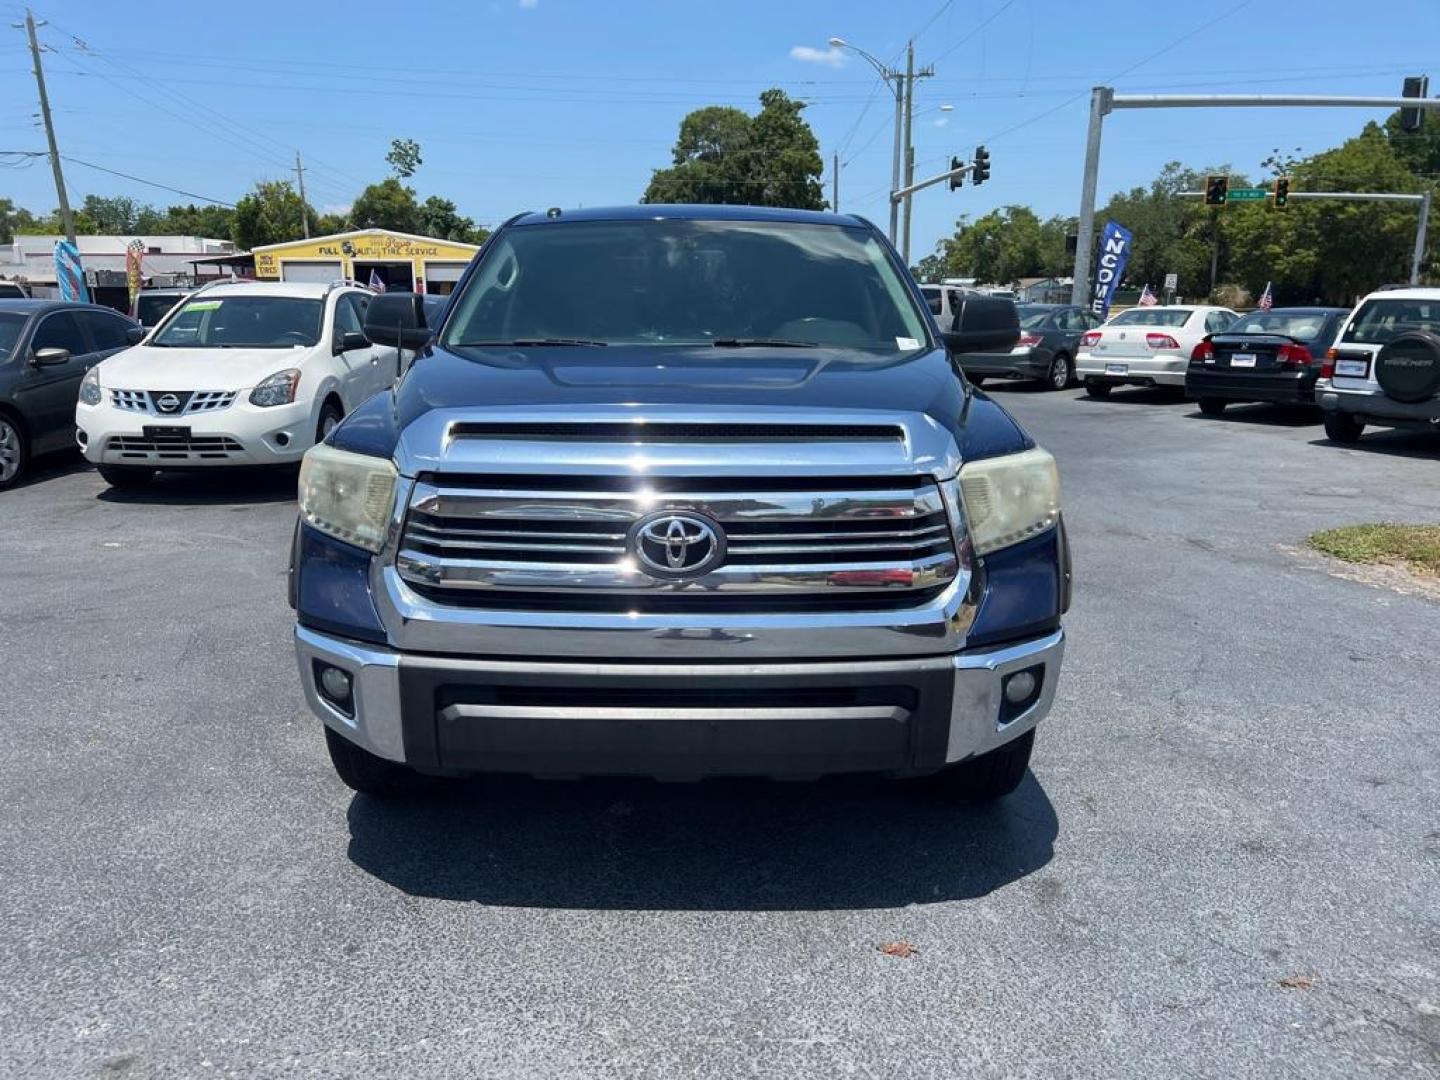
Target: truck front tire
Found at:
x=990, y=776
x=362, y=771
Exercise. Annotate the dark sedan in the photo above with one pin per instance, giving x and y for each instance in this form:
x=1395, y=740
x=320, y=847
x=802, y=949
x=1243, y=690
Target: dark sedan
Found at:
x=1049, y=335
x=45, y=349
x=1272, y=356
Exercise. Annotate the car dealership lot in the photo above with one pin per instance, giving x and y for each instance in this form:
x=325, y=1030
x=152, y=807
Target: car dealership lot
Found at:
x=1227, y=861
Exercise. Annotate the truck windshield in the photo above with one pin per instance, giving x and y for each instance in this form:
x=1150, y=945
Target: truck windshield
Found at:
x=718, y=283
x=242, y=322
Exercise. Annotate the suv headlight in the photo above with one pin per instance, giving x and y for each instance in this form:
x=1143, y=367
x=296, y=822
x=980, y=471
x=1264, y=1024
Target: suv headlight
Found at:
x=1009, y=499
x=347, y=495
x=278, y=389
x=90, y=388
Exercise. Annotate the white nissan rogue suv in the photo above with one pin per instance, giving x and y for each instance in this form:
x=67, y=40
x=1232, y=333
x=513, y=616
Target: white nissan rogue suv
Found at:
x=247, y=373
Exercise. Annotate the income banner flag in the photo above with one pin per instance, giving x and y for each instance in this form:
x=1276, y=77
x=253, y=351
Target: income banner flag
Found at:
x=1115, y=242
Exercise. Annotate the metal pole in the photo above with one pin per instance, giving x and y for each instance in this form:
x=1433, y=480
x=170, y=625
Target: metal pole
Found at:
x=1100, y=98
x=894, y=78
x=909, y=148
x=1420, y=239
x=65, y=215
x=835, y=183
x=300, y=178
x=1226, y=101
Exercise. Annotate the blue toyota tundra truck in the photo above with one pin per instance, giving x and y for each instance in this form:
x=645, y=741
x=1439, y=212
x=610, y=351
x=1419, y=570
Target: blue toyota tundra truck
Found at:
x=679, y=491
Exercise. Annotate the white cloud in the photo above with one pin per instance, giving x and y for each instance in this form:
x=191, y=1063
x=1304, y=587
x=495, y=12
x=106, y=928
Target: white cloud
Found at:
x=529, y=3
x=831, y=57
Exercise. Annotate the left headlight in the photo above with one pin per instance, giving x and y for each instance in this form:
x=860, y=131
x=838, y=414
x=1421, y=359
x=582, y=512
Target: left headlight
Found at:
x=90, y=388
x=1011, y=498
x=278, y=389
x=347, y=495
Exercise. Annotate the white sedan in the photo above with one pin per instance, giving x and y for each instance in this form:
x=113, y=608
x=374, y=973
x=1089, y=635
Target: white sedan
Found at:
x=1146, y=346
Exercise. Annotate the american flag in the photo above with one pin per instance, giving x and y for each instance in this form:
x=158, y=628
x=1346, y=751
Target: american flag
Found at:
x=376, y=284
x=1266, y=300
x=1147, y=298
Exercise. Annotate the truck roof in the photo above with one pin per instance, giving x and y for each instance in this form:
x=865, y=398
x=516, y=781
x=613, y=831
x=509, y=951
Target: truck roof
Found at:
x=690, y=212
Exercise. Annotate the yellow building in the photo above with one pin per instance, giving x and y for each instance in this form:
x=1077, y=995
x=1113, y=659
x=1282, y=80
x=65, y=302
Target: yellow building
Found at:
x=403, y=262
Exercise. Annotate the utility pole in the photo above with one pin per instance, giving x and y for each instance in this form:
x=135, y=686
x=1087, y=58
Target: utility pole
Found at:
x=300, y=179
x=65, y=215
x=899, y=88
x=1420, y=239
x=835, y=183
x=910, y=76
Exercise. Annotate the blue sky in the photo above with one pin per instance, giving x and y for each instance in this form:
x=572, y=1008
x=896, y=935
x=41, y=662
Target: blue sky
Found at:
x=521, y=104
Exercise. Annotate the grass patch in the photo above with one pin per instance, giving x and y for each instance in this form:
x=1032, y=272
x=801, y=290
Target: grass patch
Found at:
x=1415, y=546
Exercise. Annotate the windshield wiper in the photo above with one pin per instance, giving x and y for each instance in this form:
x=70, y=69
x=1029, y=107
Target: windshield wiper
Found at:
x=531, y=342
x=762, y=343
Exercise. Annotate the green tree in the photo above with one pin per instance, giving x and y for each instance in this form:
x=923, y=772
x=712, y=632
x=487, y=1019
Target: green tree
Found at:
x=329, y=224
x=1418, y=151
x=439, y=218
x=723, y=155
x=16, y=220
x=404, y=157
x=116, y=214
x=270, y=214
x=191, y=220
x=386, y=205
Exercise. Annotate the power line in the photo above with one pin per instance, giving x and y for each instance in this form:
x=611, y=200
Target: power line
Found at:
x=115, y=172
x=993, y=16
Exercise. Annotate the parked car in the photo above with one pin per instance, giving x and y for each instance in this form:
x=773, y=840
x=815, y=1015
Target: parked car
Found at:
x=1263, y=356
x=1146, y=346
x=622, y=520
x=980, y=332
x=152, y=305
x=1384, y=370
x=1049, y=339
x=252, y=373
x=46, y=347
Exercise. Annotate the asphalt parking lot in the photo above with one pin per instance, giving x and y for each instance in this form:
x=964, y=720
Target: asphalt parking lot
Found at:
x=1225, y=863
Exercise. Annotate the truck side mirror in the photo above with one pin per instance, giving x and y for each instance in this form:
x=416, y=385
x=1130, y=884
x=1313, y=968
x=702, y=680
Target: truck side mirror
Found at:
x=397, y=320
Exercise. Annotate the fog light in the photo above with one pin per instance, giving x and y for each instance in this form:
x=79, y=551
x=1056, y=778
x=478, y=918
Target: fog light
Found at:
x=1020, y=687
x=335, y=685
x=282, y=438
x=81, y=437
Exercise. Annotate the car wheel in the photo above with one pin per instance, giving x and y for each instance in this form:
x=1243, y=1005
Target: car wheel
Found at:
x=13, y=453
x=990, y=776
x=330, y=416
x=362, y=771
x=1059, y=375
x=126, y=476
x=1098, y=389
x=1343, y=427
x=1212, y=406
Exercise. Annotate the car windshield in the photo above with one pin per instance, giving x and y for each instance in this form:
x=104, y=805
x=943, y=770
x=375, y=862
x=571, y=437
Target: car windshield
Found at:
x=243, y=322
x=1378, y=321
x=1304, y=326
x=721, y=283
x=933, y=298
x=10, y=326
x=1148, y=316
x=1030, y=319
x=151, y=308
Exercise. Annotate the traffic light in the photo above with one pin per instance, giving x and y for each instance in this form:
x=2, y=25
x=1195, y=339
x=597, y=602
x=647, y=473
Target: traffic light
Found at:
x=1217, y=188
x=981, y=172
x=957, y=179
x=1415, y=86
x=1282, y=192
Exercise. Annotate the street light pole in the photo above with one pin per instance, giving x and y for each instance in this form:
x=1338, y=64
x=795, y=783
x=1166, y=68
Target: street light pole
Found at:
x=911, y=75
x=895, y=81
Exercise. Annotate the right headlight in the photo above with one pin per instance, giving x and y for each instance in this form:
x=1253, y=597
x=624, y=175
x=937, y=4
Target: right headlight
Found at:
x=348, y=496
x=1009, y=499
x=90, y=387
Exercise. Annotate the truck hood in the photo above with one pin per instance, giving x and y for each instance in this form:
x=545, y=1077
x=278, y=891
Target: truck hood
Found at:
x=773, y=380
x=145, y=367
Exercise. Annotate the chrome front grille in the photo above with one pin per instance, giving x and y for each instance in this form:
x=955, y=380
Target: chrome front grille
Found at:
x=561, y=543
x=188, y=402
x=173, y=447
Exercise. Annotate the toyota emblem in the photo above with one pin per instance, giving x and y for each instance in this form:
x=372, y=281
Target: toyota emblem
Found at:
x=167, y=403
x=675, y=545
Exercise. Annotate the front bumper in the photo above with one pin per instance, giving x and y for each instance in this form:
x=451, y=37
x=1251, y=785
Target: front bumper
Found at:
x=1285, y=387
x=1163, y=369
x=1376, y=408
x=242, y=434
x=680, y=721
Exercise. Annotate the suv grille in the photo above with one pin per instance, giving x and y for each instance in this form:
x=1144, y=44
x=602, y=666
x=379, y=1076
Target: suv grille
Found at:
x=188, y=402
x=558, y=544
